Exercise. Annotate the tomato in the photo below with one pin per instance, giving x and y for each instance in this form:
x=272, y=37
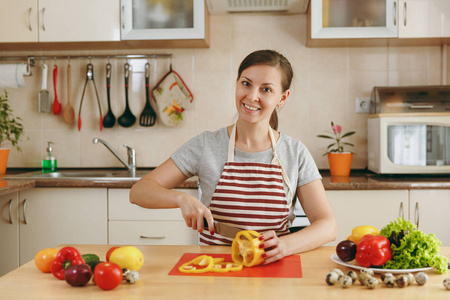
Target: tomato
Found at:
x=128, y=257
x=108, y=254
x=107, y=275
x=44, y=259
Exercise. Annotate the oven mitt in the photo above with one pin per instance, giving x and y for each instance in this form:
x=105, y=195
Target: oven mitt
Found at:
x=172, y=98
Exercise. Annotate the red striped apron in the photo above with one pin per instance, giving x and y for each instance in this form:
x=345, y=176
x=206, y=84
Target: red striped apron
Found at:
x=250, y=196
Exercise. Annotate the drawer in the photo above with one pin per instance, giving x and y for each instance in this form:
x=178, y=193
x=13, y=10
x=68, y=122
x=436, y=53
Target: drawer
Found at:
x=151, y=233
x=120, y=208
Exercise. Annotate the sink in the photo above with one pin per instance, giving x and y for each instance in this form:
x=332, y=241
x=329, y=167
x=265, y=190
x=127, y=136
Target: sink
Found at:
x=80, y=175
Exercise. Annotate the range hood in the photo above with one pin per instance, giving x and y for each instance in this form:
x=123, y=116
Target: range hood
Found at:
x=240, y=6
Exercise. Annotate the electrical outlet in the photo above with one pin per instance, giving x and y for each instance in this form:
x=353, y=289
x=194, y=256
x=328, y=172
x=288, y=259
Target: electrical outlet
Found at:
x=362, y=105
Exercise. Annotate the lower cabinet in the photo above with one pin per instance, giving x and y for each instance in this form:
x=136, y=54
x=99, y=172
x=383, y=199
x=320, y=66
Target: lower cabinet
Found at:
x=9, y=233
x=134, y=225
x=361, y=207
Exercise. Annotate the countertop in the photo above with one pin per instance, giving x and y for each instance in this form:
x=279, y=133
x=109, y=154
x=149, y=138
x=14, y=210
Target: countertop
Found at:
x=358, y=180
x=11, y=186
x=27, y=282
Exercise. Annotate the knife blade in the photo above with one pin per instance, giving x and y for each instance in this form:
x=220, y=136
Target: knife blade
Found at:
x=223, y=229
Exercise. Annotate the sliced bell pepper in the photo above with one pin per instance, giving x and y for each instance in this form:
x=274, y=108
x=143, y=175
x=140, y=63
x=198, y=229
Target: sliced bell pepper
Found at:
x=245, y=248
x=200, y=264
x=373, y=251
x=66, y=257
x=226, y=266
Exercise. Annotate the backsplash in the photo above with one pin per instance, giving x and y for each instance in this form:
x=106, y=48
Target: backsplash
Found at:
x=326, y=83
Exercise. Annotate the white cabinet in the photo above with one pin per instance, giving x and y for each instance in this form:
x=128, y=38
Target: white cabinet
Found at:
x=18, y=21
x=376, y=208
x=430, y=208
x=9, y=233
x=162, y=20
x=130, y=224
x=424, y=18
x=53, y=216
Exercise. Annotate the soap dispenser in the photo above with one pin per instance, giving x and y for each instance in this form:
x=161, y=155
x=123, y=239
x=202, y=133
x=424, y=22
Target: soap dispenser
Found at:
x=49, y=161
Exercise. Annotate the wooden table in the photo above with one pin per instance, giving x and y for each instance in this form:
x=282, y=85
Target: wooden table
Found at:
x=27, y=282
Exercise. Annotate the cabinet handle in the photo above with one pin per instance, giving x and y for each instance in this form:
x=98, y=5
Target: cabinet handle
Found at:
x=123, y=16
x=43, y=25
x=394, y=14
x=29, y=19
x=25, y=211
x=401, y=211
x=404, y=14
x=152, y=237
x=10, y=217
x=416, y=214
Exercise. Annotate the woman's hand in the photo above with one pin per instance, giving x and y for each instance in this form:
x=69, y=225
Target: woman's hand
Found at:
x=274, y=246
x=194, y=212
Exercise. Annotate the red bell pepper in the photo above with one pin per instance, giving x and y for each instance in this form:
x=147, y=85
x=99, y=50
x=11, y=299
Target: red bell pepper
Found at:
x=66, y=257
x=373, y=251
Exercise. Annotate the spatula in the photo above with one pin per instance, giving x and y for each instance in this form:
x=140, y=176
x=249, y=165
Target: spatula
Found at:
x=44, y=95
x=56, y=105
x=68, y=112
x=148, y=115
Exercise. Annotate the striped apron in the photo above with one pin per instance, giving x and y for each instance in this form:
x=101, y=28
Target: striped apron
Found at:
x=250, y=196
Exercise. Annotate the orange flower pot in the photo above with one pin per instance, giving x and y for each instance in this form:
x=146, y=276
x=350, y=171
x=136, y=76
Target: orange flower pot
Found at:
x=4, y=153
x=340, y=163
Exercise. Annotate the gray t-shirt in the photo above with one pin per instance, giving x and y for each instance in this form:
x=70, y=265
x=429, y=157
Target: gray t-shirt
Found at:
x=206, y=154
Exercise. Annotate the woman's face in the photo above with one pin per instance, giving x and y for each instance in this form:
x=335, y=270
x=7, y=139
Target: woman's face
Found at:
x=258, y=92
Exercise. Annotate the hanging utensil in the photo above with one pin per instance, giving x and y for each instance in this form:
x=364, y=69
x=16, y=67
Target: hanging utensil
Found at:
x=109, y=119
x=90, y=76
x=44, y=95
x=56, y=105
x=68, y=112
x=148, y=115
x=127, y=119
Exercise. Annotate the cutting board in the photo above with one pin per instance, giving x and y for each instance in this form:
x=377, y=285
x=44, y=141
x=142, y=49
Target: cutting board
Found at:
x=288, y=267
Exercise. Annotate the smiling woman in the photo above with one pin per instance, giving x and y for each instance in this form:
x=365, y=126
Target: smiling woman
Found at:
x=250, y=175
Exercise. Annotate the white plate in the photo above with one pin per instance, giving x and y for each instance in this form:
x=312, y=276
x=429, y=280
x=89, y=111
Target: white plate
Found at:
x=353, y=265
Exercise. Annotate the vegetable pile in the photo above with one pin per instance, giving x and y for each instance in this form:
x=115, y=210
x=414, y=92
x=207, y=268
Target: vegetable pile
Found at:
x=412, y=248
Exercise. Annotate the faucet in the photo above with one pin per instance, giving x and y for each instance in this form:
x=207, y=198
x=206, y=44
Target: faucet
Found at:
x=131, y=153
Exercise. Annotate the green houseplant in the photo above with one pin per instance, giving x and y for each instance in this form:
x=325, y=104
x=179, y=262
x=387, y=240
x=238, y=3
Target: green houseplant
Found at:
x=11, y=130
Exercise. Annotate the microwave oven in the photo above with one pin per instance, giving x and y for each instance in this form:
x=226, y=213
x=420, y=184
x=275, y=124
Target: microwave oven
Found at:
x=409, y=130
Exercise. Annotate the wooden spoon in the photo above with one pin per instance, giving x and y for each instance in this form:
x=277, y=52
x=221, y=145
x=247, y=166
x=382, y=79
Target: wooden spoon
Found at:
x=69, y=113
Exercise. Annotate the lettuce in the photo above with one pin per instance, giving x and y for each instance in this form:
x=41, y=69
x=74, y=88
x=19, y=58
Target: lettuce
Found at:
x=412, y=248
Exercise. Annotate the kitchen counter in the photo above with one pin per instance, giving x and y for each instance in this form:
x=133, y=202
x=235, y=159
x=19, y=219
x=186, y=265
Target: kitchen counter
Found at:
x=27, y=282
x=11, y=186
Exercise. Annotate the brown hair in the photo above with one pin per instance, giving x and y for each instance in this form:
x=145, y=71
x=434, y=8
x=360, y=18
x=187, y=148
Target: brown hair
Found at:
x=274, y=59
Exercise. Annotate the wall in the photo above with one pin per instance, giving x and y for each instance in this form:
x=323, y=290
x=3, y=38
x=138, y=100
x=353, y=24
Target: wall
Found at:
x=326, y=82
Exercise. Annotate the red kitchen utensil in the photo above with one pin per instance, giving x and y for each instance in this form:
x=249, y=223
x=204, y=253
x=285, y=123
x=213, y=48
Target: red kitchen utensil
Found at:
x=56, y=105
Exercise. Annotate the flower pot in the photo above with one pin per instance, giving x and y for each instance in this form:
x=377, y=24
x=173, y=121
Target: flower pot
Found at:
x=4, y=153
x=340, y=163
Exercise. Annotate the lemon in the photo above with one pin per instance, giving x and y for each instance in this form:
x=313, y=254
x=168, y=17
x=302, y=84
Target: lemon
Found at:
x=359, y=231
x=128, y=257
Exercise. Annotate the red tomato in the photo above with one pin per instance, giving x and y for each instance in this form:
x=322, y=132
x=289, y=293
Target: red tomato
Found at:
x=108, y=254
x=107, y=275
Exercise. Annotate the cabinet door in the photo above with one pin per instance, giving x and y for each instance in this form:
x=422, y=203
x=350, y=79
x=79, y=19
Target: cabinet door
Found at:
x=18, y=21
x=79, y=20
x=424, y=18
x=9, y=233
x=430, y=209
x=375, y=208
x=162, y=20
x=340, y=19
x=53, y=216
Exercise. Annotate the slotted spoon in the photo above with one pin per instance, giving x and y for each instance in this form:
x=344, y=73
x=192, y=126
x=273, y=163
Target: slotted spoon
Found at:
x=148, y=115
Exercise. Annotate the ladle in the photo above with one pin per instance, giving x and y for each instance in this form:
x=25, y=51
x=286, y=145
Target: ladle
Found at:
x=127, y=119
x=109, y=120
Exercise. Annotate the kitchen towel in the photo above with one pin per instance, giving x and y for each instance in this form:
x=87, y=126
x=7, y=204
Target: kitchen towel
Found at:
x=11, y=75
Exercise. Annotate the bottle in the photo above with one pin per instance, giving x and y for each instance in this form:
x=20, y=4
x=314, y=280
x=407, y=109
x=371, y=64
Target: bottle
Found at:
x=49, y=161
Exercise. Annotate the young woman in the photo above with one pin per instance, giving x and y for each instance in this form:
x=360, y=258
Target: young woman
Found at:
x=250, y=175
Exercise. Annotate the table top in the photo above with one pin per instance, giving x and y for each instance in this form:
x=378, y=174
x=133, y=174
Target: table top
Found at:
x=27, y=282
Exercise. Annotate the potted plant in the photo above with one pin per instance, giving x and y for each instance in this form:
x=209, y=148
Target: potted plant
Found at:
x=11, y=130
x=340, y=161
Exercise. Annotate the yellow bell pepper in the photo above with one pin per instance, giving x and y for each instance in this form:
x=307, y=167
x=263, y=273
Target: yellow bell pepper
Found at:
x=200, y=264
x=245, y=248
x=359, y=231
x=223, y=267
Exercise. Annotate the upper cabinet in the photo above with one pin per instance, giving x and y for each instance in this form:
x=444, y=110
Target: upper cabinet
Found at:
x=386, y=19
x=162, y=20
x=18, y=21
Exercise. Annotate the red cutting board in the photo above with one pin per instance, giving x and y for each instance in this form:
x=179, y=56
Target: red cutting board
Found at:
x=288, y=267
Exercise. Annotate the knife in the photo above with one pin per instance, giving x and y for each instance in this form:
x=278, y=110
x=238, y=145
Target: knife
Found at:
x=223, y=229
